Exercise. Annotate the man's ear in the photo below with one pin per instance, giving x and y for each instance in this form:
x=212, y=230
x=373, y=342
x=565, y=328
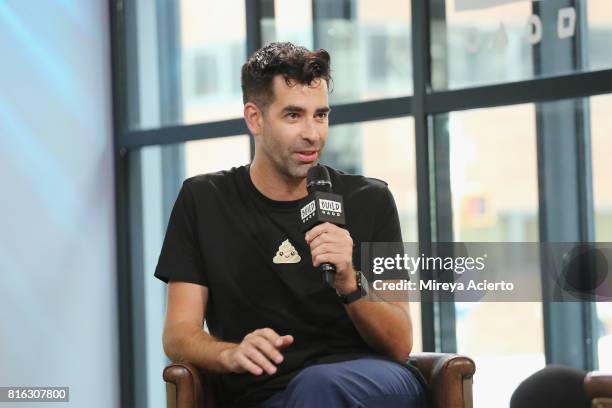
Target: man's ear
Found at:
x=253, y=117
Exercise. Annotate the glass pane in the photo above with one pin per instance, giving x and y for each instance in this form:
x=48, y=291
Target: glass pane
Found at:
x=369, y=42
x=484, y=170
x=495, y=199
x=148, y=295
x=210, y=155
x=385, y=150
x=213, y=49
x=477, y=42
x=184, y=62
x=162, y=170
x=601, y=143
x=599, y=34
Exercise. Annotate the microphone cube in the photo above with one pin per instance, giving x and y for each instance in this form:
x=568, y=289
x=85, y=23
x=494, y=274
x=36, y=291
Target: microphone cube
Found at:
x=319, y=207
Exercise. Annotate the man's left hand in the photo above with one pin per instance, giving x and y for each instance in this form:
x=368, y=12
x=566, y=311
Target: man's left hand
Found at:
x=332, y=244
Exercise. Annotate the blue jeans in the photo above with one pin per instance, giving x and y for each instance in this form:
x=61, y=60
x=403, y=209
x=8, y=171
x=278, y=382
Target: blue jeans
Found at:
x=367, y=382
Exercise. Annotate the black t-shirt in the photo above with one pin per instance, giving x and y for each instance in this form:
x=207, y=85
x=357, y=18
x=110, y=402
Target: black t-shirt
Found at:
x=225, y=234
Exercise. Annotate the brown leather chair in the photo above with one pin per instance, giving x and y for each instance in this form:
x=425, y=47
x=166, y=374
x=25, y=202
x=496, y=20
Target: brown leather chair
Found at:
x=598, y=388
x=448, y=376
x=561, y=386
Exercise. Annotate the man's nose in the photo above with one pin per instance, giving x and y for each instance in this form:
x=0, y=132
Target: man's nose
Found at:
x=311, y=131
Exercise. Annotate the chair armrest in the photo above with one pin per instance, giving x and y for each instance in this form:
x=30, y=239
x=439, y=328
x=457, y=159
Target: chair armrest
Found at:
x=189, y=391
x=449, y=378
x=598, y=388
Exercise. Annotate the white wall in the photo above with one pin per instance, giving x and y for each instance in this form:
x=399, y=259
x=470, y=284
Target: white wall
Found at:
x=58, y=306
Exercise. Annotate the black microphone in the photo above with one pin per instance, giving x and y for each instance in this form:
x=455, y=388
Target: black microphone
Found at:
x=320, y=206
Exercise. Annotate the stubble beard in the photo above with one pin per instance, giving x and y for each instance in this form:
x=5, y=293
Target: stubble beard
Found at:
x=286, y=166
x=284, y=163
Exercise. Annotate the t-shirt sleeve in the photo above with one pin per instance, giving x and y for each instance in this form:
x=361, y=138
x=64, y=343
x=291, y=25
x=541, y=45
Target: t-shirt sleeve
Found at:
x=387, y=226
x=181, y=257
x=387, y=238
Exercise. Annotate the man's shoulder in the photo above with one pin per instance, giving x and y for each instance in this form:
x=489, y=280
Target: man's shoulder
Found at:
x=216, y=181
x=356, y=183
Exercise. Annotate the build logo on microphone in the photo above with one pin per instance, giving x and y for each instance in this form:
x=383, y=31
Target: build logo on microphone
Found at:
x=308, y=210
x=320, y=207
x=330, y=207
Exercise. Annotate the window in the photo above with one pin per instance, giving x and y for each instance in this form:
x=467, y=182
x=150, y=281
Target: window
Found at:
x=382, y=149
x=601, y=148
x=473, y=143
x=495, y=199
x=484, y=42
x=184, y=66
x=157, y=176
x=210, y=155
x=206, y=78
x=369, y=43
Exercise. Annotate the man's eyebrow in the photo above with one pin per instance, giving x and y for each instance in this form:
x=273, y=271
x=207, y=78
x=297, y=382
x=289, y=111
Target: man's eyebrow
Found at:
x=294, y=108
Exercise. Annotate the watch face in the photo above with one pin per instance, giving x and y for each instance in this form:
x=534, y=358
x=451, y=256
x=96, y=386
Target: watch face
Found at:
x=361, y=291
x=363, y=284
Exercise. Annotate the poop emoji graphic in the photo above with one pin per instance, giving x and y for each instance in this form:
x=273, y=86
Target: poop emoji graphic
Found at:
x=286, y=254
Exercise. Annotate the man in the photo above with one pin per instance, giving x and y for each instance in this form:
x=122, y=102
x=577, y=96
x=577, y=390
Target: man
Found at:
x=235, y=255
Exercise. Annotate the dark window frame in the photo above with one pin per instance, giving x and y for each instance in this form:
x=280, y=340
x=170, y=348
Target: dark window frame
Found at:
x=438, y=319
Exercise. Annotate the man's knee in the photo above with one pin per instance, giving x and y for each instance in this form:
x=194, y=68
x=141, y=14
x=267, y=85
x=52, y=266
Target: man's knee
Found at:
x=315, y=385
x=316, y=377
x=350, y=384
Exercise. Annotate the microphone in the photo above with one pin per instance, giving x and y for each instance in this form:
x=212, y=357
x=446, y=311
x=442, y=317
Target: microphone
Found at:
x=320, y=206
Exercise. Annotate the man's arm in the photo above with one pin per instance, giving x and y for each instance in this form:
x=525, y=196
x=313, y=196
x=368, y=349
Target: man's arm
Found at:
x=385, y=326
x=185, y=340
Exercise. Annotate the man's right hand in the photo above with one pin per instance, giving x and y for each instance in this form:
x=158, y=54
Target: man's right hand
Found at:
x=258, y=352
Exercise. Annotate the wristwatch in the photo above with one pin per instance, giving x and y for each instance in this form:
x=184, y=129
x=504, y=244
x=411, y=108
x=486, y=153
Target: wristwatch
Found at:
x=361, y=291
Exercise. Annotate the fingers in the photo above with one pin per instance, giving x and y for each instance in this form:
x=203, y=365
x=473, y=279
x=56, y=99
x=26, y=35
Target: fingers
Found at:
x=334, y=247
x=314, y=232
x=267, y=348
x=337, y=241
x=257, y=357
x=323, y=249
x=320, y=229
x=330, y=244
x=258, y=352
x=246, y=364
x=341, y=248
x=327, y=233
x=334, y=259
x=266, y=333
x=284, y=341
x=275, y=339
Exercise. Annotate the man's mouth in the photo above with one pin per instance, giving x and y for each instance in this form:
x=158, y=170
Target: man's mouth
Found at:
x=307, y=156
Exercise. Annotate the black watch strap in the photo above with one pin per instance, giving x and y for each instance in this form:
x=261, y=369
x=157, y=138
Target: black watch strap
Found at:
x=351, y=297
x=358, y=293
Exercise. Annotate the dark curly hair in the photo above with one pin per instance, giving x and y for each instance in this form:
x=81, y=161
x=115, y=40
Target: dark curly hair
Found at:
x=293, y=62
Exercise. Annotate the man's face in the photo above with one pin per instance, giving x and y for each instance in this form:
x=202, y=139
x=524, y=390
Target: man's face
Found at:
x=295, y=126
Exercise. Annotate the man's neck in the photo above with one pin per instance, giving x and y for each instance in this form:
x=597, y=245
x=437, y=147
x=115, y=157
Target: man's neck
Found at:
x=274, y=185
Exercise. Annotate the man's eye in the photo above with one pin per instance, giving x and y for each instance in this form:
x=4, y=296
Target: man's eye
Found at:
x=292, y=115
x=323, y=115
